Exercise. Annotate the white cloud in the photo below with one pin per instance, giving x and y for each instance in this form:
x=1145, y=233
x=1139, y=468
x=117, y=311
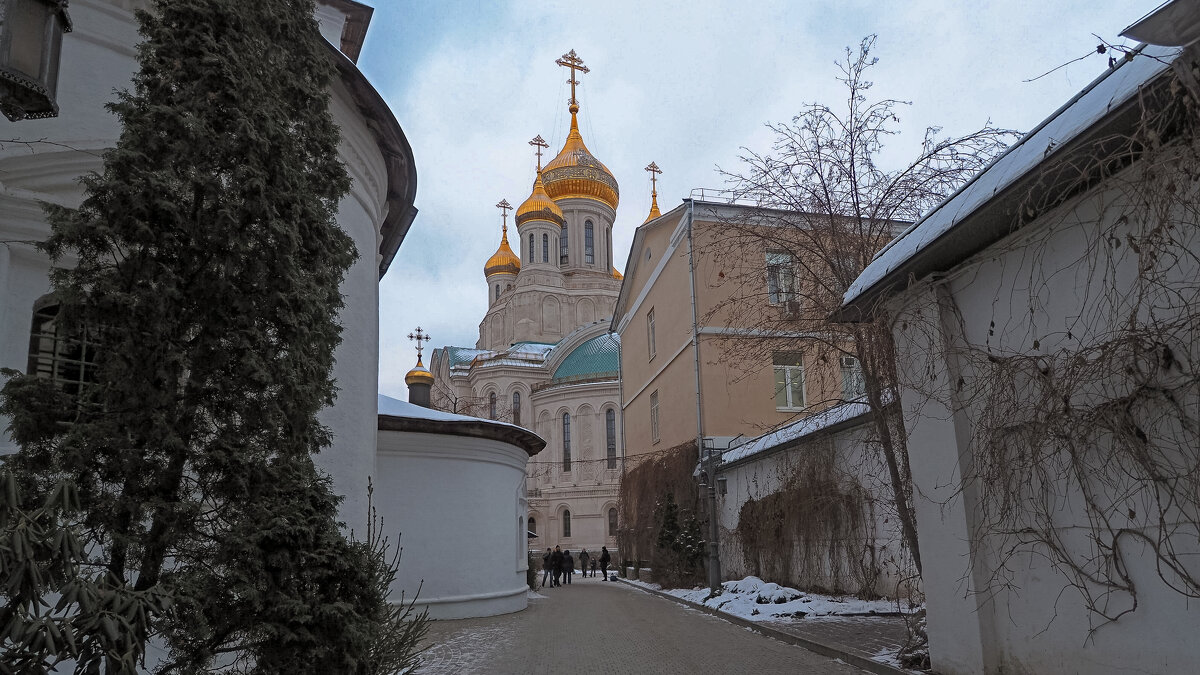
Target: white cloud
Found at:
x=685, y=84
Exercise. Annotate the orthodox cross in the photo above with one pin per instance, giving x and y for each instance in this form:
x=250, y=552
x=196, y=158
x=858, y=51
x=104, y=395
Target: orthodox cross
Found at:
x=540, y=143
x=504, y=207
x=420, y=337
x=654, y=171
x=571, y=60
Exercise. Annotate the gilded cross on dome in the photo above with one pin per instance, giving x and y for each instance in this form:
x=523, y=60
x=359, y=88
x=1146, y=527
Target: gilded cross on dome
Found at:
x=540, y=143
x=504, y=207
x=571, y=60
x=654, y=171
x=420, y=337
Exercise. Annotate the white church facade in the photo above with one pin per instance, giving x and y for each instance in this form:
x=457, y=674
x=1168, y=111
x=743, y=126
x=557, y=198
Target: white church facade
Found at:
x=545, y=359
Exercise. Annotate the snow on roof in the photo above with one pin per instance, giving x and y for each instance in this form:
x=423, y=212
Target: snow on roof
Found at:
x=1108, y=91
x=796, y=430
x=542, y=348
x=397, y=408
x=462, y=355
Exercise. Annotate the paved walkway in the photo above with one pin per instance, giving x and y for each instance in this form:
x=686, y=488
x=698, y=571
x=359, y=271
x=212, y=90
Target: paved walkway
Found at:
x=594, y=627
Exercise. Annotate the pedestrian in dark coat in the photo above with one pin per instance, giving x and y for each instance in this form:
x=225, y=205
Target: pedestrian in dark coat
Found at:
x=556, y=563
x=546, y=569
x=568, y=566
x=604, y=560
x=583, y=562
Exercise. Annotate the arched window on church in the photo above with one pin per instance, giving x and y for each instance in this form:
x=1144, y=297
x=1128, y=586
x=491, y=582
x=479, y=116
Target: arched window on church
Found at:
x=589, y=243
x=507, y=287
x=516, y=413
x=566, y=465
x=563, y=256
x=531, y=249
x=607, y=248
x=612, y=522
x=545, y=248
x=67, y=360
x=497, y=291
x=532, y=524
x=492, y=405
x=566, y=524
x=610, y=437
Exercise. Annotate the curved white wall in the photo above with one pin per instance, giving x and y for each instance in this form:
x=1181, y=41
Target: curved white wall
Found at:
x=455, y=501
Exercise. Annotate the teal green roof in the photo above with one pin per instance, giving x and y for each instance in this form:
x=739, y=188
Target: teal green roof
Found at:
x=597, y=357
x=457, y=355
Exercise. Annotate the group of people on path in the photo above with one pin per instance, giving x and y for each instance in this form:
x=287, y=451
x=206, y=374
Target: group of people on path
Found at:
x=558, y=566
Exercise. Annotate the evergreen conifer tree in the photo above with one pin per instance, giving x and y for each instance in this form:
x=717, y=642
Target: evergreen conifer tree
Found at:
x=174, y=498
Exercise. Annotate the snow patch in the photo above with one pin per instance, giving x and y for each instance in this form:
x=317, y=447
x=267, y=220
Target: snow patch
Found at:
x=757, y=600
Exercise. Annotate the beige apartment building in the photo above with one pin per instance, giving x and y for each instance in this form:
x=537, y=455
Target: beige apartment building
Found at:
x=717, y=340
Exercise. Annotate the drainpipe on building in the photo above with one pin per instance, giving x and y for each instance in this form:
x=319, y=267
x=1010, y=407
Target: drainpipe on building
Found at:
x=714, y=560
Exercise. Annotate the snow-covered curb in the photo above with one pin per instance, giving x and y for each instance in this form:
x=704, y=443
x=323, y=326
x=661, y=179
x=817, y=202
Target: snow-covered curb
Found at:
x=756, y=600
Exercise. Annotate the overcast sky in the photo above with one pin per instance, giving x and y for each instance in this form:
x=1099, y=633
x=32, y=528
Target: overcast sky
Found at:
x=684, y=84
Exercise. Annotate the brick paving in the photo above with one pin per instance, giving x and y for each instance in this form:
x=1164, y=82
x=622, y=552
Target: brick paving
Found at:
x=594, y=627
x=865, y=636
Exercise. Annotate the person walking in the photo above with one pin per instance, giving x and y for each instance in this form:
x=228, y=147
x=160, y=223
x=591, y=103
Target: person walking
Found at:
x=583, y=562
x=604, y=560
x=568, y=566
x=546, y=570
x=556, y=562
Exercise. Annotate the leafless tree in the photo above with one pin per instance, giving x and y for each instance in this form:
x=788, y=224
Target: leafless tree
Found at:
x=823, y=207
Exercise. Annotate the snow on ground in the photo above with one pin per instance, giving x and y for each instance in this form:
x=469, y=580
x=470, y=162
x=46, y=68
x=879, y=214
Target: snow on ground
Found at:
x=757, y=600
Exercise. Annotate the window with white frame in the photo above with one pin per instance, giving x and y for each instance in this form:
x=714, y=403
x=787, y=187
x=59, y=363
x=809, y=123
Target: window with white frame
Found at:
x=781, y=277
x=853, y=384
x=650, y=331
x=789, y=380
x=654, y=415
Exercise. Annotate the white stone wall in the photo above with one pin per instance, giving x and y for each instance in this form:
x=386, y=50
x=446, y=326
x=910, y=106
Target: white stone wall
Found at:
x=1026, y=618
x=455, y=503
x=857, y=460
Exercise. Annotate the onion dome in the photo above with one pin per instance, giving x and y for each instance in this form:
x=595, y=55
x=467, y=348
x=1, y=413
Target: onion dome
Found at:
x=575, y=172
x=419, y=375
x=617, y=275
x=503, y=261
x=539, y=206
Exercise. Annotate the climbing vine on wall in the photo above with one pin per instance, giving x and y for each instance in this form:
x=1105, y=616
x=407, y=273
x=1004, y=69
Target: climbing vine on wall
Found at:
x=812, y=533
x=659, y=488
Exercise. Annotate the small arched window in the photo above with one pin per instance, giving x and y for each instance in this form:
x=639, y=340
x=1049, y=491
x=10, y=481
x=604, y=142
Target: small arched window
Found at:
x=545, y=248
x=563, y=256
x=529, y=255
x=492, y=405
x=532, y=524
x=566, y=463
x=516, y=411
x=497, y=291
x=566, y=524
x=589, y=243
x=66, y=359
x=612, y=522
x=610, y=437
x=607, y=248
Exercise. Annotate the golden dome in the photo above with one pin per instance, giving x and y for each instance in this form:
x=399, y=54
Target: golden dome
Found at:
x=418, y=375
x=539, y=206
x=617, y=275
x=575, y=172
x=503, y=261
